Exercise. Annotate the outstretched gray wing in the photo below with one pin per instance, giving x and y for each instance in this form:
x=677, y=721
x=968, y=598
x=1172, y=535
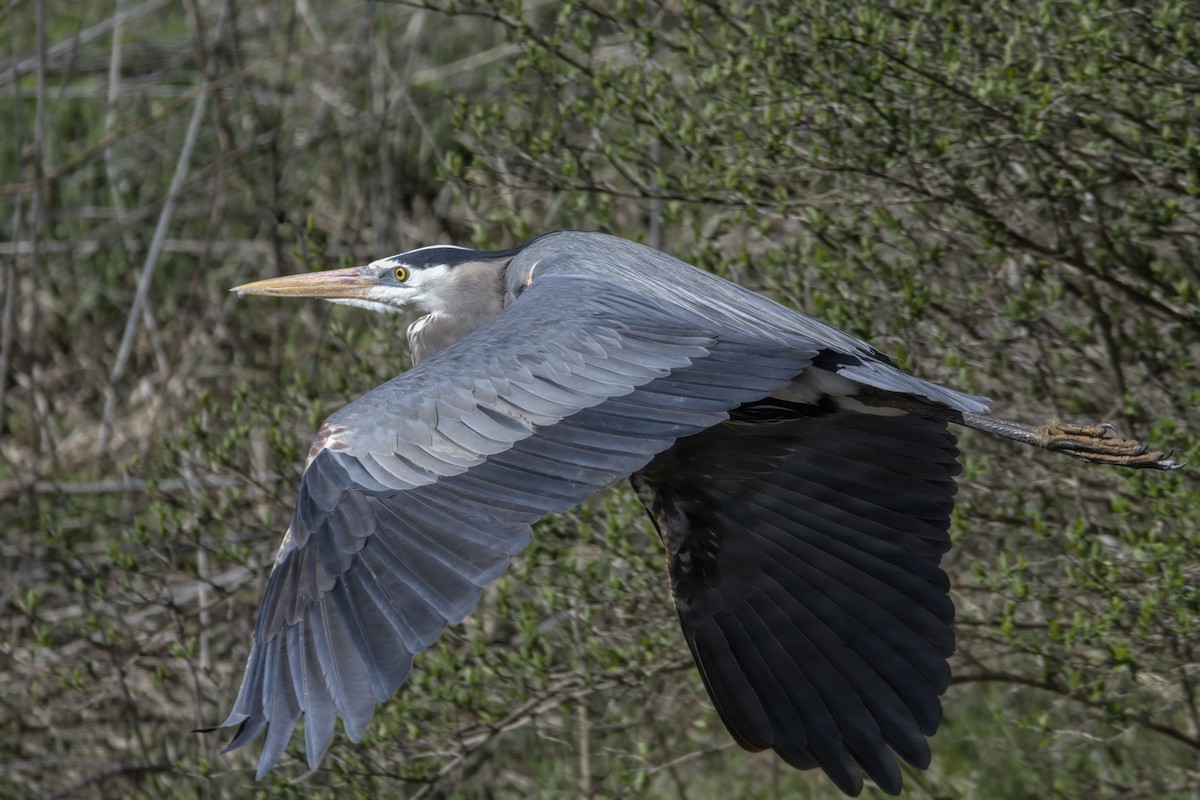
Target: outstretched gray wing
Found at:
x=416, y=494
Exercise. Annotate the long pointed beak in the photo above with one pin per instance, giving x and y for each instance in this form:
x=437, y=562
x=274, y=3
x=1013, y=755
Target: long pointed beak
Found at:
x=331, y=284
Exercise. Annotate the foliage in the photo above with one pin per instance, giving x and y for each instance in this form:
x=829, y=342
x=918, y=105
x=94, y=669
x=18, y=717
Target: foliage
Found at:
x=1004, y=196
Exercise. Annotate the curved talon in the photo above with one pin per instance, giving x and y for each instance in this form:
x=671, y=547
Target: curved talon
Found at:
x=1169, y=462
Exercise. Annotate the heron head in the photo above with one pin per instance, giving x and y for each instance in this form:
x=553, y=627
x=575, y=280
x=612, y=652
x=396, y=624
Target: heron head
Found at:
x=423, y=280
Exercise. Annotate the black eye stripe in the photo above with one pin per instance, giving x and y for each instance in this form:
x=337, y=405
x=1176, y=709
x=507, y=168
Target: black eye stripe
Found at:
x=445, y=256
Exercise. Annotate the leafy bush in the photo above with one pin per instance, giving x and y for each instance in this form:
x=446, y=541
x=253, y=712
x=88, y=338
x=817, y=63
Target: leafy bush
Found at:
x=1002, y=196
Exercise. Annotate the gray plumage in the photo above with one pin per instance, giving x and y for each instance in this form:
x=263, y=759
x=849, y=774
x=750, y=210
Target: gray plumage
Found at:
x=802, y=486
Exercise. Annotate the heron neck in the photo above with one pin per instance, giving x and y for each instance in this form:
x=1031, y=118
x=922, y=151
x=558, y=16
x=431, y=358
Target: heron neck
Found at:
x=437, y=331
x=469, y=297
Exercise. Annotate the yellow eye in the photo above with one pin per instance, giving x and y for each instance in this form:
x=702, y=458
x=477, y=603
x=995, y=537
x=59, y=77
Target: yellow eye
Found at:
x=401, y=274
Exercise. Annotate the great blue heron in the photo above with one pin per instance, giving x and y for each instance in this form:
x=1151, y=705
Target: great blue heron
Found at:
x=801, y=484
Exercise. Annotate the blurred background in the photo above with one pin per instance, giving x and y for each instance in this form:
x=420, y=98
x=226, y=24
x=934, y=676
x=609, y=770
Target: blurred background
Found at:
x=1002, y=196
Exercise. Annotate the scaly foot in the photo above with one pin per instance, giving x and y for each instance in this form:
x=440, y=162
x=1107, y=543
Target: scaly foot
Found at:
x=1100, y=444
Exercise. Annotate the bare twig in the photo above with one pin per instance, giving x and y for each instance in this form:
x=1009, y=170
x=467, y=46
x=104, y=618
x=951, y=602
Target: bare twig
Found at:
x=9, y=322
x=110, y=113
x=97, y=780
x=10, y=489
x=48, y=176
x=151, y=263
x=560, y=692
x=37, y=212
x=20, y=69
x=246, y=249
x=586, y=789
x=110, y=171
